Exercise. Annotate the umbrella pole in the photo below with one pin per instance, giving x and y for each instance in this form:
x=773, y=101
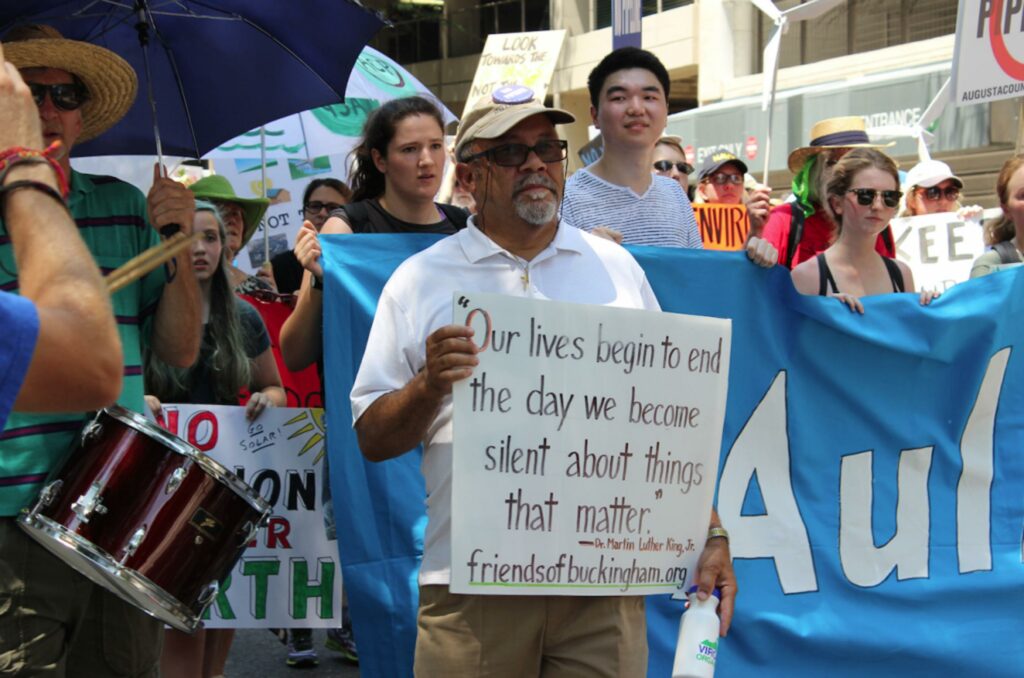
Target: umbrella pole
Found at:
x=142, y=26
x=263, y=191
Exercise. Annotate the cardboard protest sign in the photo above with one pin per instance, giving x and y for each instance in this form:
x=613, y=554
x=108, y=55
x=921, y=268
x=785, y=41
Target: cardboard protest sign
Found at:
x=289, y=576
x=526, y=59
x=585, y=445
x=939, y=248
x=988, y=61
x=722, y=227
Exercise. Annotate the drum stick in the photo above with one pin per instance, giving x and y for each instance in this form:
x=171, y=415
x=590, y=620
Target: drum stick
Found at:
x=149, y=260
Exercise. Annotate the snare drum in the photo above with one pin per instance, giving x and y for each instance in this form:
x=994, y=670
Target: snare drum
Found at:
x=148, y=516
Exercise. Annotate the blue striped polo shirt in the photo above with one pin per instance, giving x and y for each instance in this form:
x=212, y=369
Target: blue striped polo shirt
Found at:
x=662, y=216
x=111, y=218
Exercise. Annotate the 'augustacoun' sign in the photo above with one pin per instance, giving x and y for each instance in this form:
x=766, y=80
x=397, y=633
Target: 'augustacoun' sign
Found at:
x=585, y=447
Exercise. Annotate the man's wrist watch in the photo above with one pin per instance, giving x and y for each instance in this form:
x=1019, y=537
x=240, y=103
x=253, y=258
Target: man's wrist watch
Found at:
x=718, y=532
x=318, y=282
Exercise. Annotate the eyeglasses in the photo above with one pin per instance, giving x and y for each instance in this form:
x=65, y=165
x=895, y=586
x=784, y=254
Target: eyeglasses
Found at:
x=721, y=179
x=936, y=193
x=230, y=211
x=667, y=165
x=315, y=207
x=514, y=155
x=65, y=96
x=866, y=196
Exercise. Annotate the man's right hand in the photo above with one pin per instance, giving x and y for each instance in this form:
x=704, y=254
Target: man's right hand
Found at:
x=307, y=249
x=18, y=111
x=451, y=356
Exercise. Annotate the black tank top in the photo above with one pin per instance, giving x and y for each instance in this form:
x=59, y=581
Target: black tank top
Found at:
x=826, y=282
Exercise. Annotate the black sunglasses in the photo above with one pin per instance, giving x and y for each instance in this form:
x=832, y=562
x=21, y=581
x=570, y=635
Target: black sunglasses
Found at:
x=934, y=193
x=666, y=166
x=514, y=155
x=721, y=179
x=65, y=96
x=315, y=207
x=866, y=196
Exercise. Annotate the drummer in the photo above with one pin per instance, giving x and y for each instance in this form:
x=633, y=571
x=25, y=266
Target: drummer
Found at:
x=60, y=619
x=44, y=366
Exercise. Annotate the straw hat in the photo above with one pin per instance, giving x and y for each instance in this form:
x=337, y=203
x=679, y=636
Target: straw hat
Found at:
x=846, y=132
x=216, y=188
x=110, y=80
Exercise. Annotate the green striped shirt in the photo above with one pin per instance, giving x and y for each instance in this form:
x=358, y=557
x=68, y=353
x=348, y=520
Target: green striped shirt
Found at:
x=111, y=218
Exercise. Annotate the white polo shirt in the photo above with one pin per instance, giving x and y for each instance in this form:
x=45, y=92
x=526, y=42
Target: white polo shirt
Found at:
x=417, y=300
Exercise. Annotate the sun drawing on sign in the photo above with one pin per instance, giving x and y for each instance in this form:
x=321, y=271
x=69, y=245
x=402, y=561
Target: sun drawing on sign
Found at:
x=310, y=421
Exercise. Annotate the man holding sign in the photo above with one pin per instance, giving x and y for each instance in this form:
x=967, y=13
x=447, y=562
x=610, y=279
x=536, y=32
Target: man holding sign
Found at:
x=511, y=160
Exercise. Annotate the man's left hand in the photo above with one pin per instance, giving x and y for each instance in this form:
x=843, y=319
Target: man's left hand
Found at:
x=714, y=569
x=170, y=202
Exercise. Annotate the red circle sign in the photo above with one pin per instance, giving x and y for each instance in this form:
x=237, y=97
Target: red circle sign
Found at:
x=691, y=154
x=1006, y=61
x=751, y=148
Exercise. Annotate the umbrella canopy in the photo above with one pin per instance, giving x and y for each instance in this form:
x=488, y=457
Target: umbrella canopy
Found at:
x=218, y=67
x=333, y=129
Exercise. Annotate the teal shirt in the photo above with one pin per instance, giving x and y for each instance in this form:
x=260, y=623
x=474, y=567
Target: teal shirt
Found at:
x=111, y=218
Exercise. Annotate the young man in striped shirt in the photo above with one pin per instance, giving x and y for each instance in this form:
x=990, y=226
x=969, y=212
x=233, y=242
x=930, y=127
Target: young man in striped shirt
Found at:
x=617, y=196
x=60, y=619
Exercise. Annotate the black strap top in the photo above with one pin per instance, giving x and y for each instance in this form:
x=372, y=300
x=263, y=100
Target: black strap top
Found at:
x=827, y=283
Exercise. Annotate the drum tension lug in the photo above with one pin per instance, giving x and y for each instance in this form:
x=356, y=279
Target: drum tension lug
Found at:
x=207, y=596
x=175, y=480
x=89, y=503
x=133, y=544
x=48, y=494
x=91, y=431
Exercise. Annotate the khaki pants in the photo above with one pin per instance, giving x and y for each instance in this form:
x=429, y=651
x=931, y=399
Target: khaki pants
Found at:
x=55, y=623
x=519, y=636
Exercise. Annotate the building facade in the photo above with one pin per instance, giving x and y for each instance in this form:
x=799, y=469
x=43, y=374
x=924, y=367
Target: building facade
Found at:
x=883, y=59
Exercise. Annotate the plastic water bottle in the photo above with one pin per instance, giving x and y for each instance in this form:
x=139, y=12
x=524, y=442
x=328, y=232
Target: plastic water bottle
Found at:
x=697, y=647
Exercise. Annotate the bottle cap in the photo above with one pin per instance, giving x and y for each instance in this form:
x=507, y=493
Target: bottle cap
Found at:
x=716, y=592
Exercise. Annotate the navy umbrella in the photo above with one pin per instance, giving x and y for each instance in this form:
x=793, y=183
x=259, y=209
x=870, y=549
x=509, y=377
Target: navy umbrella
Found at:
x=216, y=68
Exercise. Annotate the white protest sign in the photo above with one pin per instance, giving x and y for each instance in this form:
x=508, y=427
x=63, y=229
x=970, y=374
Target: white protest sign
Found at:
x=585, y=447
x=289, y=577
x=939, y=248
x=988, y=60
x=526, y=59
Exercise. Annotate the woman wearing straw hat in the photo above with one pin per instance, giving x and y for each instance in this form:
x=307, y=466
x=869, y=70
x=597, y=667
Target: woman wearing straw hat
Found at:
x=59, y=622
x=241, y=217
x=802, y=229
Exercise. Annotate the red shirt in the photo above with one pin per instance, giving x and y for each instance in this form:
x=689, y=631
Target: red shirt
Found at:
x=817, y=236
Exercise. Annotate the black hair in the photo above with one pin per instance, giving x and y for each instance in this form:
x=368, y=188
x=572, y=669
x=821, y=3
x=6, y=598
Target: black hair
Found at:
x=620, y=60
x=367, y=181
x=329, y=182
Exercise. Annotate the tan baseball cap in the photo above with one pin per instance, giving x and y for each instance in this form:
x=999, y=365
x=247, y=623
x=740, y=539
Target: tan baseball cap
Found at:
x=508, y=106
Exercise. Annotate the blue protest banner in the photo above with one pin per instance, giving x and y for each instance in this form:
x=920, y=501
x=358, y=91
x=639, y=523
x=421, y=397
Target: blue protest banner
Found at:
x=870, y=474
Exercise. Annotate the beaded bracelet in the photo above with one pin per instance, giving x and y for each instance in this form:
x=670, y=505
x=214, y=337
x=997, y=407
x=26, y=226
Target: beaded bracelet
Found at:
x=19, y=155
x=7, y=189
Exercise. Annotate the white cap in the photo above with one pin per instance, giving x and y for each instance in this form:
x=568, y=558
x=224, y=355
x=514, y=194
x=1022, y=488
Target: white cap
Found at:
x=931, y=173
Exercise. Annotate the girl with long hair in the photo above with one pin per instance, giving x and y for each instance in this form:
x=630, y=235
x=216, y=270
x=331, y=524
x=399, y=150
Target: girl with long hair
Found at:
x=234, y=355
x=1006, y=233
x=861, y=198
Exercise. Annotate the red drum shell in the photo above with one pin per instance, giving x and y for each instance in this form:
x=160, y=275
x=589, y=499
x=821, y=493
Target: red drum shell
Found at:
x=197, y=516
